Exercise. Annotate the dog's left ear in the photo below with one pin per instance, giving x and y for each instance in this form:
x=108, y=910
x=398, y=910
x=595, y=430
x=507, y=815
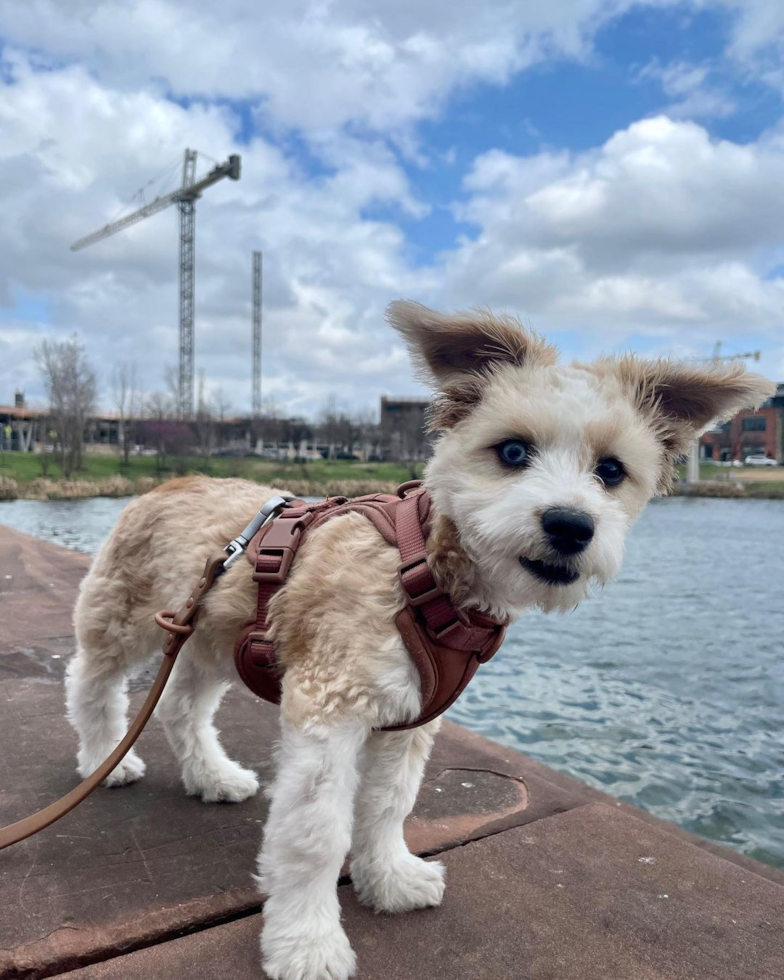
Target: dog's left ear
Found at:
x=457, y=353
x=682, y=399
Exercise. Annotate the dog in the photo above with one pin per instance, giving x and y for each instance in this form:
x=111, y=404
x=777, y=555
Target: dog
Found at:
x=537, y=472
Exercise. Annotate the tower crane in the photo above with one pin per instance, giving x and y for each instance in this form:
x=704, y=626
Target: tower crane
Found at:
x=185, y=197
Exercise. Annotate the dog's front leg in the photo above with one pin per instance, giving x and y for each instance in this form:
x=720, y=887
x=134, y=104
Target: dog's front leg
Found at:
x=306, y=840
x=385, y=873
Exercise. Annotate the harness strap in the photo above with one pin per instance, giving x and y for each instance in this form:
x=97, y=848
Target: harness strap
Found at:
x=445, y=623
x=179, y=627
x=445, y=643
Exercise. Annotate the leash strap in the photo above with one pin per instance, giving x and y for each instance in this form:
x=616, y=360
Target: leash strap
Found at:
x=179, y=627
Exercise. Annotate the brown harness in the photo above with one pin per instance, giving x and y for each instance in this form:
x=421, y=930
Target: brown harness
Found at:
x=446, y=643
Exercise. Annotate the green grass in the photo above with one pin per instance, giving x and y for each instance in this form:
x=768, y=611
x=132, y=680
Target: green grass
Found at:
x=745, y=473
x=763, y=488
x=25, y=467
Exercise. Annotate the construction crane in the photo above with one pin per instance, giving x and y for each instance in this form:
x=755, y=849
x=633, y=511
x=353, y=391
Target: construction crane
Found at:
x=185, y=197
x=693, y=462
x=256, y=370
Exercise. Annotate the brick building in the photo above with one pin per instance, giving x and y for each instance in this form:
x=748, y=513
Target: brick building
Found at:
x=760, y=431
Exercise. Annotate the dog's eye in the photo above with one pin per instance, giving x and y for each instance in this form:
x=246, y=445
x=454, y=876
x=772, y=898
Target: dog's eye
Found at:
x=513, y=452
x=610, y=472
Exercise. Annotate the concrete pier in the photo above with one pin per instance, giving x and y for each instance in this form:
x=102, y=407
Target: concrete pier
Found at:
x=547, y=878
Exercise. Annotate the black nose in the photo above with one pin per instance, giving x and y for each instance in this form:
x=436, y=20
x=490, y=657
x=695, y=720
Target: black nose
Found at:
x=569, y=531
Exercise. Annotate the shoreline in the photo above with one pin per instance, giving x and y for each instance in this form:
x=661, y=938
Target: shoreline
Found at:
x=44, y=488
x=736, y=490
x=120, y=486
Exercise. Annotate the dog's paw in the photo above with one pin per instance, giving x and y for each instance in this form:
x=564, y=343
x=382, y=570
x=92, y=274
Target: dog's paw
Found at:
x=126, y=772
x=408, y=883
x=229, y=784
x=291, y=956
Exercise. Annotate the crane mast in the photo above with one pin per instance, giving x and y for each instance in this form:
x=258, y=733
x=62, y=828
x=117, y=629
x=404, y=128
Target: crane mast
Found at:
x=187, y=206
x=185, y=197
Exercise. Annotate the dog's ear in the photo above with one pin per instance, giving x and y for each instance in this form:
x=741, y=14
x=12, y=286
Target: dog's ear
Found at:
x=456, y=353
x=683, y=399
x=446, y=347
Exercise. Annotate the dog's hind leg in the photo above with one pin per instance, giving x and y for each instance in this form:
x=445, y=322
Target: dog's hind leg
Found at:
x=385, y=873
x=186, y=710
x=306, y=840
x=97, y=702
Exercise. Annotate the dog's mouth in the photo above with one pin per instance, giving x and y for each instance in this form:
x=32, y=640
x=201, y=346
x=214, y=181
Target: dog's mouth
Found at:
x=551, y=574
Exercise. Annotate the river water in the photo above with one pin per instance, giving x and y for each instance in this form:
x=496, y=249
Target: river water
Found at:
x=666, y=689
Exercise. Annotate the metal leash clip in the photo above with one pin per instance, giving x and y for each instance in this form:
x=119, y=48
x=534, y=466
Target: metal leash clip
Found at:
x=268, y=513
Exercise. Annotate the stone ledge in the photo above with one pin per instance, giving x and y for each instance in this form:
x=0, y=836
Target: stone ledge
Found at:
x=140, y=866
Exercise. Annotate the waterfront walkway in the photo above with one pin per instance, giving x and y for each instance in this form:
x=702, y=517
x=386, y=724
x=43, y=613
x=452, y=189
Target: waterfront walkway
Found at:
x=547, y=879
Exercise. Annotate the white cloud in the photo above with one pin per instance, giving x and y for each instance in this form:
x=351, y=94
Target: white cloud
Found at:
x=694, y=95
x=72, y=142
x=662, y=231
x=659, y=187
x=315, y=66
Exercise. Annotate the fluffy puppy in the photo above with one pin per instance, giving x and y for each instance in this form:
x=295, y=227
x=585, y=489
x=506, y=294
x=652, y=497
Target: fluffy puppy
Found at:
x=537, y=473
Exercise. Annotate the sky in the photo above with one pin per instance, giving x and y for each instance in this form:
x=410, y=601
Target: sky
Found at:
x=610, y=171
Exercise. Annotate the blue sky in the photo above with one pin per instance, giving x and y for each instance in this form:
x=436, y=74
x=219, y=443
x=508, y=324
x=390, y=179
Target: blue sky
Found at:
x=577, y=105
x=608, y=171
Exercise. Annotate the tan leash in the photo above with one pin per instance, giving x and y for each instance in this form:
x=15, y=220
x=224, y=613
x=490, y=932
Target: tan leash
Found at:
x=179, y=627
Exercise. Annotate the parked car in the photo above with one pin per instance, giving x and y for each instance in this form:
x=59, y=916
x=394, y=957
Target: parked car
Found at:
x=760, y=459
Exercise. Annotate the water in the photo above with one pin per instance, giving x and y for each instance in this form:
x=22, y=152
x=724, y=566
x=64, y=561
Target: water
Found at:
x=666, y=690
x=78, y=524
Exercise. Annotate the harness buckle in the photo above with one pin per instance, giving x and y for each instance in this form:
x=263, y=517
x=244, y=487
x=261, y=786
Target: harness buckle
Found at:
x=441, y=633
x=277, y=549
x=277, y=575
x=417, y=581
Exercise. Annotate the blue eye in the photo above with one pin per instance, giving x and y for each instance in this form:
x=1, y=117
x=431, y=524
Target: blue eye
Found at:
x=513, y=452
x=610, y=472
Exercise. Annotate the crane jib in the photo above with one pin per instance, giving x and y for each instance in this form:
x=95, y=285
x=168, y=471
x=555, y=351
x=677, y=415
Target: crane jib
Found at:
x=231, y=169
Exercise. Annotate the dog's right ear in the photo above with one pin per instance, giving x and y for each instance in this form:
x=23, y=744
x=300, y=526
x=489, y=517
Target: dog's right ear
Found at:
x=447, y=347
x=457, y=353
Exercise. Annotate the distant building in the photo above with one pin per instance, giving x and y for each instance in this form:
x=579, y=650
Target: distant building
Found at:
x=403, y=433
x=20, y=426
x=760, y=431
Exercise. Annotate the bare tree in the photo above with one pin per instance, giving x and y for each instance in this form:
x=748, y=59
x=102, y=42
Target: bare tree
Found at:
x=221, y=404
x=368, y=433
x=269, y=425
x=330, y=425
x=128, y=402
x=160, y=428
x=71, y=388
x=204, y=425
